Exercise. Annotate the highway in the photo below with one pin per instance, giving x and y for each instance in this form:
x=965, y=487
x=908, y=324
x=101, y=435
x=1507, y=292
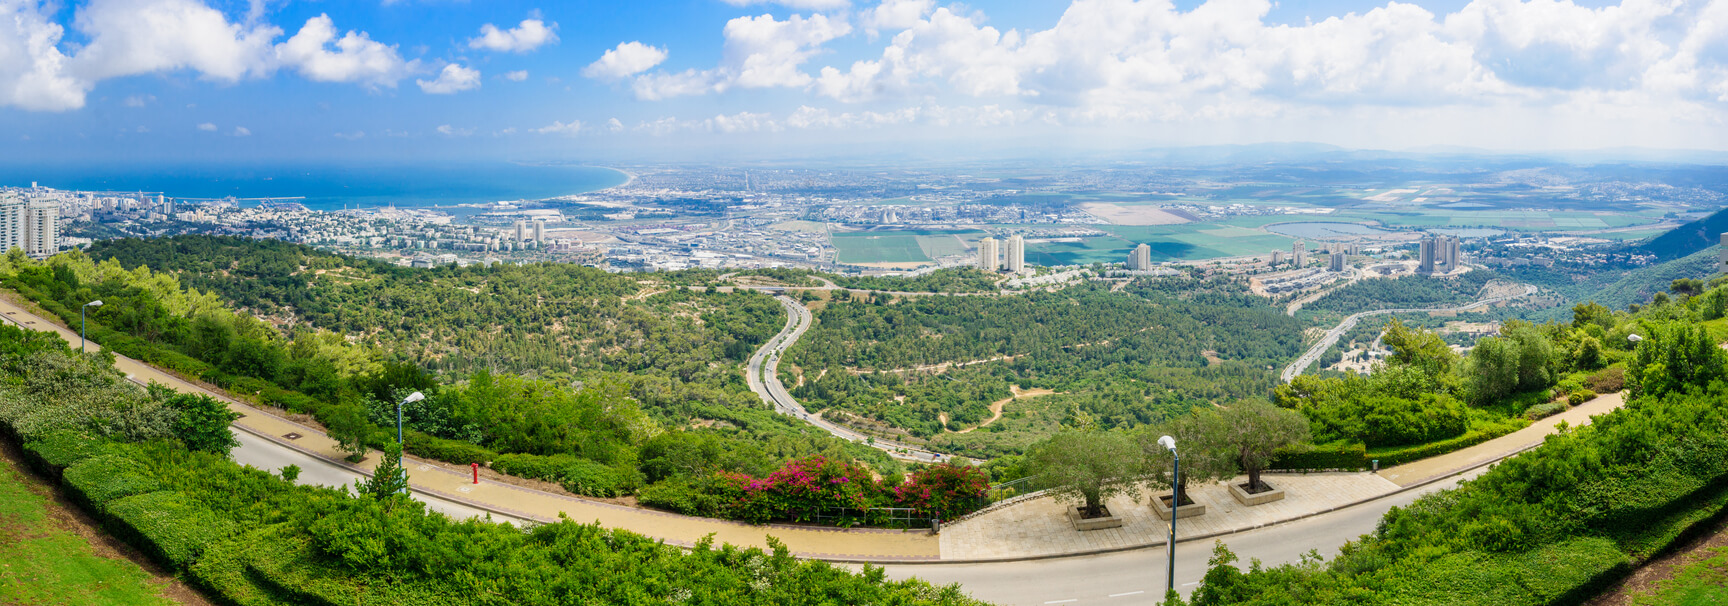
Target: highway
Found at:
x=764, y=379
x=1135, y=578
x=1331, y=337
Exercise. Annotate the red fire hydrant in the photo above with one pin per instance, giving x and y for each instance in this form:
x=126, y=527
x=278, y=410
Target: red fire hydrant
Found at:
x=476, y=472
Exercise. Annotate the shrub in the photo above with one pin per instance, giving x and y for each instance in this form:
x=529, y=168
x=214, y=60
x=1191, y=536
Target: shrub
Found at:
x=97, y=480
x=169, y=526
x=1336, y=455
x=1545, y=409
x=1386, y=420
x=54, y=452
x=449, y=451
x=689, y=497
x=1580, y=397
x=1607, y=380
x=579, y=476
x=944, y=491
x=1406, y=454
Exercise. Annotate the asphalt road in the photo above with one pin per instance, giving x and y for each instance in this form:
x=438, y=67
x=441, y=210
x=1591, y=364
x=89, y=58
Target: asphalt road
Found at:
x=764, y=379
x=1313, y=354
x=272, y=457
x=1138, y=577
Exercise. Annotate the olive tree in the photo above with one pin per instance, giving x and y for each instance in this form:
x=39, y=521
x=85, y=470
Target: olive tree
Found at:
x=1087, y=468
x=1246, y=434
x=1201, y=463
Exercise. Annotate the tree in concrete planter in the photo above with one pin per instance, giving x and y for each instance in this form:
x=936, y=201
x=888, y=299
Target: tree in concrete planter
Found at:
x=1201, y=462
x=1087, y=468
x=1247, y=433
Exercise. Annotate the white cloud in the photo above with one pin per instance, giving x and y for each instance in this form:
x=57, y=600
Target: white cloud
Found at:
x=575, y=126
x=139, y=100
x=207, y=127
x=803, y=5
x=614, y=125
x=353, y=136
x=527, y=36
x=516, y=76
x=130, y=37
x=241, y=131
x=628, y=59
x=451, y=131
x=453, y=79
x=760, y=52
x=357, y=57
x=896, y=15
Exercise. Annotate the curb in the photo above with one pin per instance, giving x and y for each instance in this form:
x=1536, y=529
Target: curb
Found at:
x=1211, y=535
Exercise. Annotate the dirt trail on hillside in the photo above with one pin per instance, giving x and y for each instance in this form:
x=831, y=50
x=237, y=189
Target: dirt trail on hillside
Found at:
x=996, y=407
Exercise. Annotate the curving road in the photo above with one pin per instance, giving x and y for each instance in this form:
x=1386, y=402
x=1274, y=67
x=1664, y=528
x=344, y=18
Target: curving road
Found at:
x=764, y=379
x=1331, y=337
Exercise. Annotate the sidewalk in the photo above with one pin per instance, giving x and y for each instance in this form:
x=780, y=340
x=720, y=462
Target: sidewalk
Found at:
x=435, y=478
x=1417, y=472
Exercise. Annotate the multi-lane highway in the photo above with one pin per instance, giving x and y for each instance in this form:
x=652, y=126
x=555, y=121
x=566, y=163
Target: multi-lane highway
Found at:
x=764, y=379
x=1313, y=354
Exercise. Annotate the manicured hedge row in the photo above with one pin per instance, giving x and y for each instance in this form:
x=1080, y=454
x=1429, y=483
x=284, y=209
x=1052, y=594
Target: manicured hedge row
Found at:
x=96, y=481
x=580, y=476
x=1322, y=457
x=169, y=526
x=450, y=451
x=53, y=453
x=1405, y=454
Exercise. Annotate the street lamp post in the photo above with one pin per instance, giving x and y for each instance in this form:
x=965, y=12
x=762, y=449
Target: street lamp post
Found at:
x=81, y=323
x=412, y=398
x=1169, y=443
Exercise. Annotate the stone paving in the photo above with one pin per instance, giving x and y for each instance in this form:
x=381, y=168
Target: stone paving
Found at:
x=1040, y=527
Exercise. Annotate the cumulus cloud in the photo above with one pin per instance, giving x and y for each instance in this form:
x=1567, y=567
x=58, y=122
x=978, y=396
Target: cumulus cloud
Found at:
x=139, y=100
x=896, y=15
x=451, y=131
x=141, y=36
x=208, y=127
x=614, y=125
x=453, y=79
x=759, y=52
x=241, y=131
x=516, y=76
x=355, y=58
x=628, y=59
x=560, y=128
x=353, y=136
x=526, y=36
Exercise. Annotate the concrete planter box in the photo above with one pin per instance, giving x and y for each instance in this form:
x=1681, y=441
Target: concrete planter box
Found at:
x=1084, y=524
x=1242, y=496
x=1161, y=505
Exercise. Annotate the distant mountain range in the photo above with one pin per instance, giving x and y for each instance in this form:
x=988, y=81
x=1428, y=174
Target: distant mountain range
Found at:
x=1688, y=239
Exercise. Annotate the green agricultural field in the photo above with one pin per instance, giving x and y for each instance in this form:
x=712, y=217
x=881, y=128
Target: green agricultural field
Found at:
x=903, y=246
x=45, y=563
x=1427, y=218
x=1186, y=242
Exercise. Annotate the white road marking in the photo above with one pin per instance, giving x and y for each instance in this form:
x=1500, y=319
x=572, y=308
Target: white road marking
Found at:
x=1194, y=583
x=1063, y=601
x=1117, y=595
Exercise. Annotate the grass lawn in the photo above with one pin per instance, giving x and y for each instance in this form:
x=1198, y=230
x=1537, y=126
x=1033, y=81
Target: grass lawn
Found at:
x=43, y=561
x=1701, y=583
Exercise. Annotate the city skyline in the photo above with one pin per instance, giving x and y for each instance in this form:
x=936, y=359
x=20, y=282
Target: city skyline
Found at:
x=129, y=80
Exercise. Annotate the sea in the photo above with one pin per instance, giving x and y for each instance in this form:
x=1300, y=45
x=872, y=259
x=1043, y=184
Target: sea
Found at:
x=331, y=187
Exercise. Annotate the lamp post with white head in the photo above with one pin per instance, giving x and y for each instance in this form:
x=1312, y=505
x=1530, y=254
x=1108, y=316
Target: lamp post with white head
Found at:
x=1169, y=443
x=412, y=398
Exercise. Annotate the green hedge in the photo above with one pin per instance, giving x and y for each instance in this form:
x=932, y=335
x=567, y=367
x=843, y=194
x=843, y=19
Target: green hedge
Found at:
x=53, y=453
x=450, y=451
x=96, y=481
x=1544, y=410
x=292, y=568
x=222, y=571
x=169, y=526
x=1337, y=455
x=580, y=476
x=1398, y=456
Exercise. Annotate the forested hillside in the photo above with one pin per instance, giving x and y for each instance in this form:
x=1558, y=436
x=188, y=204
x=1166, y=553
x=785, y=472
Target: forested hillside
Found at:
x=1687, y=239
x=603, y=385
x=248, y=537
x=1120, y=358
x=1407, y=292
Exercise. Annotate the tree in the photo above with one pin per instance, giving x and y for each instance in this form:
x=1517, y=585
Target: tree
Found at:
x=1419, y=348
x=1201, y=462
x=203, y=423
x=348, y=427
x=388, y=479
x=1247, y=433
x=1088, y=467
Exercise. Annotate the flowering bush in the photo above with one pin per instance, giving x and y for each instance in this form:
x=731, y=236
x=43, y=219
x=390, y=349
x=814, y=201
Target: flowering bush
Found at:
x=943, y=491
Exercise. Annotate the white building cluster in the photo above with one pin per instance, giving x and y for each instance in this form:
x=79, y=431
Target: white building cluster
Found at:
x=999, y=255
x=30, y=223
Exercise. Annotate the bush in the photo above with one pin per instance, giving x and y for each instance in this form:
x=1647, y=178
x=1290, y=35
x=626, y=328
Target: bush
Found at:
x=945, y=491
x=1387, y=420
x=579, y=476
x=169, y=526
x=1545, y=409
x=449, y=451
x=1336, y=455
x=98, y=480
x=54, y=452
x=1607, y=380
x=1406, y=454
x=688, y=497
x=1580, y=397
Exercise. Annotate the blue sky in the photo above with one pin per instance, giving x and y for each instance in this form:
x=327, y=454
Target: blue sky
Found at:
x=203, y=80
